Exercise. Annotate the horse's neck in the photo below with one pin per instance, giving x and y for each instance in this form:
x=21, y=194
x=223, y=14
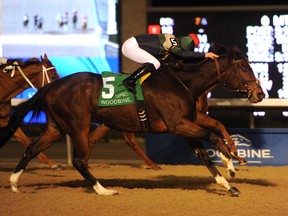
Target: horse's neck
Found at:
x=208, y=75
x=12, y=86
x=5, y=110
x=202, y=103
x=202, y=79
x=188, y=79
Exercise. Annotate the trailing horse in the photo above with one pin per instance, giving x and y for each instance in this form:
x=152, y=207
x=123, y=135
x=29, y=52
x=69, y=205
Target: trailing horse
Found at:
x=71, y=104
x=16, y=78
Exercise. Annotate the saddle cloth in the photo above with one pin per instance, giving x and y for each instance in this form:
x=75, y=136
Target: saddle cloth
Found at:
x=114, y=93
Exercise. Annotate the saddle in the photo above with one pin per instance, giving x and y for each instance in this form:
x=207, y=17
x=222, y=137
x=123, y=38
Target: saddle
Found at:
x=114, y=93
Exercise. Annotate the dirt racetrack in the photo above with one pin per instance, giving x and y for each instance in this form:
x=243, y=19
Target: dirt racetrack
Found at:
x=174, y=190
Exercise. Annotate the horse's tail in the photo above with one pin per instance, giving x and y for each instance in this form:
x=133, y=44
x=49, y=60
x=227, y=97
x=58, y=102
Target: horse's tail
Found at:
x=34, y=104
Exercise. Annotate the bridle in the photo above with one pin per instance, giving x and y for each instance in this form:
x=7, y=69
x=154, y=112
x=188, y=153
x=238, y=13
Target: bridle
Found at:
x=45, y=74
x=13, y=67
x=235, y=68
x=241, y=80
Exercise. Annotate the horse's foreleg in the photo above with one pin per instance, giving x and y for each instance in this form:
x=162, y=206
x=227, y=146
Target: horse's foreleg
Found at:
x=231, y=143
x=132, y=142
x=206, y=121
x=224, y=154
x=25, y=141
x=197, y=130
x=203, y=156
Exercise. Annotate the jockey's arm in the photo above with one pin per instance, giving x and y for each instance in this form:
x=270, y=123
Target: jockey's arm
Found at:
x=186, y=54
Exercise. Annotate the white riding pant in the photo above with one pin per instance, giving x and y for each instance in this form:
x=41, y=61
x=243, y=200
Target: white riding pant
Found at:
x=131, y=50
x=3, y=60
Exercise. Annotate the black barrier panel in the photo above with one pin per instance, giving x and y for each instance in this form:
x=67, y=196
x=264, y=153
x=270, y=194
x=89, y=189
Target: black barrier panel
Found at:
x=260, y=147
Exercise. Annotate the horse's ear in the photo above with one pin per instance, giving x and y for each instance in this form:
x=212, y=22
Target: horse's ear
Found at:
x=238, y=53
x=41, y=58
x=218, y=48
x=45, y=56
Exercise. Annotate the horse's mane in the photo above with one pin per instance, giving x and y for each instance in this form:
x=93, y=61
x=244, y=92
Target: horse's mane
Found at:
x=194, y=64
x=30, y=61
x=221, y=49
x=178, y=63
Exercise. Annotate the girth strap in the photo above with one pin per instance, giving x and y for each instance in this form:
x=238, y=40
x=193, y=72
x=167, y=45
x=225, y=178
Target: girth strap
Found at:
x=142, y=115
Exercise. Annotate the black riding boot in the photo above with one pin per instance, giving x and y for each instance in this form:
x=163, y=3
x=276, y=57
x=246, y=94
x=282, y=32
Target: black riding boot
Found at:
x=130, y=81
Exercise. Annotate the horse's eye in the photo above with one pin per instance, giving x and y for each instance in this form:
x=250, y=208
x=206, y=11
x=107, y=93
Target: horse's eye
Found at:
x=53, y=75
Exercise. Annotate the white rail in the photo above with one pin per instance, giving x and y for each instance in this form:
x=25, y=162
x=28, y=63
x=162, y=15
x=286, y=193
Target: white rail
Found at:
x=214, y=103
x=271, y=103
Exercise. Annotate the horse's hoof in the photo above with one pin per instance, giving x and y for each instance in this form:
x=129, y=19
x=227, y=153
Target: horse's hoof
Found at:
x=100, y=190
x=57, y=167
x=231, y=173
x=243, y=162
x=14, y=189
x=234, y=192
x=156, y=167
x=110, y=192
x=151, y=166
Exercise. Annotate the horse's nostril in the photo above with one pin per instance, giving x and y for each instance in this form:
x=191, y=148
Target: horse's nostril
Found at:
x=261, y=95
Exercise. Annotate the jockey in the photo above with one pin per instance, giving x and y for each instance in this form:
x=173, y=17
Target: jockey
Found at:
x=146, y=49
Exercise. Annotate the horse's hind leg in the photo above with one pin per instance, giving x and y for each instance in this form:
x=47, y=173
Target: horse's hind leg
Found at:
x=22, y=138
x=132, y=142
x=14, y=178
x=80, y=157
x=44, y=142
x=203, y=156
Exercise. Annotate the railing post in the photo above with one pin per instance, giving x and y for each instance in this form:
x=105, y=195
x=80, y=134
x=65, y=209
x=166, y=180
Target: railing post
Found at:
x=69, y=149
x=251, y=120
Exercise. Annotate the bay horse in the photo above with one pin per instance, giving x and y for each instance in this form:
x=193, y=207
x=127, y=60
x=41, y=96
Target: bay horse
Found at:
x=202, y=119
x=71, y=104
x=16, y=78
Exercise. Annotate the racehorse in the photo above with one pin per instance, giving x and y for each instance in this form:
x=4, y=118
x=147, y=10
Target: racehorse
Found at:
x=15, y=79
x=202, y=119
x=71, y=104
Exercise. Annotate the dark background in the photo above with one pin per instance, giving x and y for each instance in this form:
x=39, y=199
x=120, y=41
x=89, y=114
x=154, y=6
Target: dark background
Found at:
x=224, y=27
x=173, y=3
x=227, y=27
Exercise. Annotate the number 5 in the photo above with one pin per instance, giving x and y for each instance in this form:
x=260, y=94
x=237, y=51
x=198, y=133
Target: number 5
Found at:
x=108, y=86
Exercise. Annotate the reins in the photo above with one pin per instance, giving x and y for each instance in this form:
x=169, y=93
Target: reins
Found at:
x=177, y=78
x=16, y=65
x=186, y=88
x=218, y=68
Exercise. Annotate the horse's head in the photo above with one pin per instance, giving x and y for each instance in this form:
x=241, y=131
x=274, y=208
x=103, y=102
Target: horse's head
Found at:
x=48, y=70
x=32, y=73
x=241, y=77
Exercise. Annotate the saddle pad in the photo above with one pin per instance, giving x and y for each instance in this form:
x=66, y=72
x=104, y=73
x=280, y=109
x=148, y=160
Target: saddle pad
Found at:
x=114, y=93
